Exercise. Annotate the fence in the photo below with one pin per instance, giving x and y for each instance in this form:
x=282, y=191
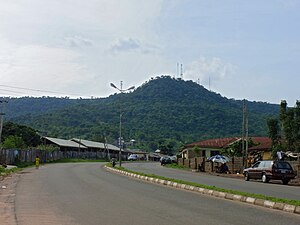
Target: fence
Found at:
x=11, y=156
x=235, y=165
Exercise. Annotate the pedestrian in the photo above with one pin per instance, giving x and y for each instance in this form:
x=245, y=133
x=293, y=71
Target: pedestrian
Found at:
x=223, y=168
x=37, y=162
x=113, y=162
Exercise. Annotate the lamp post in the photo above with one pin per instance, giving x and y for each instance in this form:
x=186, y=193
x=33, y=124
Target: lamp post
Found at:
x=121, y=90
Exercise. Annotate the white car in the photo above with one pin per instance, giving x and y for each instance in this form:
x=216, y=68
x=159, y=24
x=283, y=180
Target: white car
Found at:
x=173, y=158
x=133, y=157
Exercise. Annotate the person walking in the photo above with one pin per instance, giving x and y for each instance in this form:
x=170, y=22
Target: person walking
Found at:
x=37, y=162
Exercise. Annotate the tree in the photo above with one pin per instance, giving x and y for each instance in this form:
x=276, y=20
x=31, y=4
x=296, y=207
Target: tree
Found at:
x=196, y=150
x=13, y=142
x=289, y=128
x=297, y=127
x=27, y=134
x=273, y=125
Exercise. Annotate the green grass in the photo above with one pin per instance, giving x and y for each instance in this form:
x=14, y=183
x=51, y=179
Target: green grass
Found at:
x=214, y=188
x=176, y=166
x=4, y=172
x=24, y=164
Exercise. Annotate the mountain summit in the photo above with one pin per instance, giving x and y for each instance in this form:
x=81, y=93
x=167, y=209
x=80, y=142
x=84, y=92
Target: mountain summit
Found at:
x=163, y=108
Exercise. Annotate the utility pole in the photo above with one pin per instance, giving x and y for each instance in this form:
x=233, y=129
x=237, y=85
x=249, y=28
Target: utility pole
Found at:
x=1, y=117
x=2, y=102
x=106, y=148
x=245, y=134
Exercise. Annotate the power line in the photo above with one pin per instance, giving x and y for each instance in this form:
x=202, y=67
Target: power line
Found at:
x=30, y=89
x=12, y=91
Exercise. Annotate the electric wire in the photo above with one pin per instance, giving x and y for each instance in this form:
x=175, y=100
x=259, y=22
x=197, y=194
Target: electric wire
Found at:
x=30, y=89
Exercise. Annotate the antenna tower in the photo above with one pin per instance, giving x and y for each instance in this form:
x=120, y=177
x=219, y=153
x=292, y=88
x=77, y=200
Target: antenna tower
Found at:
x=181, y=74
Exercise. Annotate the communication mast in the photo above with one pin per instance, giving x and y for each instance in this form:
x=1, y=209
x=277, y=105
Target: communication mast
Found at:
x=181, y=73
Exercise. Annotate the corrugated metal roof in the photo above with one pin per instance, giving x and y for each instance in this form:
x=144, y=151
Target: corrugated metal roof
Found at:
x=65, y=143
x=112, y=147
x=94, y=144
x=89, y=144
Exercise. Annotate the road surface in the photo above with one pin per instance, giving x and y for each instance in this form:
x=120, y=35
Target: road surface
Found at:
x=275, y=189
x=85, y=193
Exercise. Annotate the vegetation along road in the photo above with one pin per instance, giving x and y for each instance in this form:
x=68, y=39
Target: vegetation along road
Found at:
x=275, y=189
x=85, y=193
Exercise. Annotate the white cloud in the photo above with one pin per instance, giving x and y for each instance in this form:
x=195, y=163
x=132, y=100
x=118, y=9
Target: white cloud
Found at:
x=78, y=41
x=41, y=67
x=131, y=45
x=213, y=68
x=128, y=44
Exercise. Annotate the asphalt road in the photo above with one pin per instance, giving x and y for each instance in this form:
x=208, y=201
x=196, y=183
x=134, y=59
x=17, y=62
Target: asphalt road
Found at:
x=86, y=194
x=275, y=189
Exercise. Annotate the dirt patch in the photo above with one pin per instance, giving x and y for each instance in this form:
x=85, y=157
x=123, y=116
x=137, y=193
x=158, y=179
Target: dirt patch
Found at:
x=7, y=198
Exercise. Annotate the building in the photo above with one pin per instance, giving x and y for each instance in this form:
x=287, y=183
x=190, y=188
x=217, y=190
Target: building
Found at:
x=212, y=147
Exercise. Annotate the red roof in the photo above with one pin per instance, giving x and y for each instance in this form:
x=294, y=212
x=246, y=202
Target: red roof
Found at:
x=214, y=143
x=262, y=143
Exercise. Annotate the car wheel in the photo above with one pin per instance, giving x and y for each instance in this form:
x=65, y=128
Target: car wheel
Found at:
x=285, y=181
x=264, y=178
x=246, y=176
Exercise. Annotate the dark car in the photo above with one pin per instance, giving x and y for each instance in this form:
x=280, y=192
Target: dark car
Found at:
x=270, y=170
x=165, y=160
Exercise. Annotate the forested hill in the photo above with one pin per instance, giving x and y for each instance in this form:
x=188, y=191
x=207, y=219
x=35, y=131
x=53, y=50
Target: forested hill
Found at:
x=161, y=109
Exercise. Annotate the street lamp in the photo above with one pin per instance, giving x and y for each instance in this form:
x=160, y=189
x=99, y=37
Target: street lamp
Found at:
x=120, y=128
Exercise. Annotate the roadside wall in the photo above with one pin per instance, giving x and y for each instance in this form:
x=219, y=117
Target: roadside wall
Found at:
x=235, y=165
x=11, y=156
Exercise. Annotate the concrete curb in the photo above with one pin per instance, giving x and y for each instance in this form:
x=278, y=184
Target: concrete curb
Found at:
x=218, y=194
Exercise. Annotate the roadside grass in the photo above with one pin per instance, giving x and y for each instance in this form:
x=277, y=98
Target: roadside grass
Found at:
x=214, y=188
x=24, y=164
x=176, y=166
x=4, y=172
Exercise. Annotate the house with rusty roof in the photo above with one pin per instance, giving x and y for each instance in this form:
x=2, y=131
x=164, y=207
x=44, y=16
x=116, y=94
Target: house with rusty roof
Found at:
x=207, y=148
x=262, y=146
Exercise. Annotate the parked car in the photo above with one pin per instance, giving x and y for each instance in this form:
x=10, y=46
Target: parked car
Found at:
x=165, y=160
x=173, y=158
x=270, y=170
x=133, y=157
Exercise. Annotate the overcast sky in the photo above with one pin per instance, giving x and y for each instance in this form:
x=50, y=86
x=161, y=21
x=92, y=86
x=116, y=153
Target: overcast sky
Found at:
x=247, y=49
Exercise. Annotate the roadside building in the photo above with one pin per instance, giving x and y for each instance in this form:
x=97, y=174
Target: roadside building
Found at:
x=64, y=145
x=206, y=148
x=211, y=147
x=101, y=150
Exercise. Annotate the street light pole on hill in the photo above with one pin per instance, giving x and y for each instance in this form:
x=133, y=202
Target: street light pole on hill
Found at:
x=121, y=90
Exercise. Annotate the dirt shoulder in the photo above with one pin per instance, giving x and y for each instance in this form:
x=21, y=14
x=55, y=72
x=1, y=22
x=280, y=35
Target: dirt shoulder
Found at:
x=7, y=198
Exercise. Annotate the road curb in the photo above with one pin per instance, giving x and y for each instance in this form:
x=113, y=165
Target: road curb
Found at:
x=249, y=200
